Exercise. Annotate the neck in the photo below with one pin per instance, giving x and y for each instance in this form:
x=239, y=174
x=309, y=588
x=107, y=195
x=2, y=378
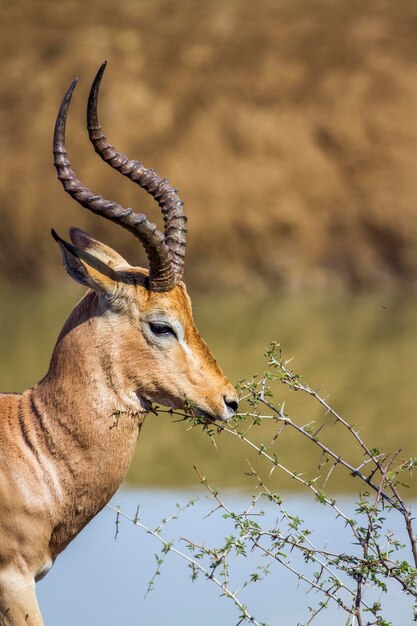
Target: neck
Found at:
x=90, y=421
x=83, y=372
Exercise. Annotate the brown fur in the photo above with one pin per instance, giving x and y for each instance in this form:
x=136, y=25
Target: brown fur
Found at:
x=66, y=444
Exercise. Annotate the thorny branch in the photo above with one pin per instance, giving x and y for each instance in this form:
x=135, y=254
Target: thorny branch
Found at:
x=194, y=563
x=374, y=564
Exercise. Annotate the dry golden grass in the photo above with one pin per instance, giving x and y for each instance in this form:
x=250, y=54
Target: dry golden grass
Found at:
x=289, y=126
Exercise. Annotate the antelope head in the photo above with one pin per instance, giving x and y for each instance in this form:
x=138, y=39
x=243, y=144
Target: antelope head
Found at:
x=143, y=316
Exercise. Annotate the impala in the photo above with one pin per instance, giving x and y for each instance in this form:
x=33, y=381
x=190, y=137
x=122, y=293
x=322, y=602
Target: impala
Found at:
x=66, y=443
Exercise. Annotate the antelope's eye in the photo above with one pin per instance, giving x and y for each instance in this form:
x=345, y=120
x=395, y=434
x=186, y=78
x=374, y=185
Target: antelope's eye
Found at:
x=161, y=329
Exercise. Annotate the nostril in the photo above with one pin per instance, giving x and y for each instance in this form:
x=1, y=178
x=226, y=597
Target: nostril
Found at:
x=230, y=403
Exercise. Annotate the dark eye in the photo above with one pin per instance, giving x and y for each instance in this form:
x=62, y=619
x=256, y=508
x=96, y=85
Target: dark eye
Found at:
x=158, y=328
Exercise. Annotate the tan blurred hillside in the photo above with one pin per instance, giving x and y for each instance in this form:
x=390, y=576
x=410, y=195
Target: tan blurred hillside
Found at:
x=289, y=127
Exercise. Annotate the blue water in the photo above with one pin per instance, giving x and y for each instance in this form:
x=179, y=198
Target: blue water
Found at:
x=100, y=580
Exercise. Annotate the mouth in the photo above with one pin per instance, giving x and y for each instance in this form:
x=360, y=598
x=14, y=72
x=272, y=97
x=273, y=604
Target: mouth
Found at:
x=201, y=416
x=206, y=417
x=144, y=403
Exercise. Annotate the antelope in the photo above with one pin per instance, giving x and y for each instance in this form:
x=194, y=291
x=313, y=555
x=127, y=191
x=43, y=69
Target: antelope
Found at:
x=66, y=443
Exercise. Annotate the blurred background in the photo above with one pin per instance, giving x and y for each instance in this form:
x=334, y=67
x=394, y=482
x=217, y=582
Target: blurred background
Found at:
x=290, y=130
x=289, y=127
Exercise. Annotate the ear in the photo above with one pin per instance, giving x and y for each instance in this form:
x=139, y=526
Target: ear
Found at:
x=104, y=253
x=86, y=269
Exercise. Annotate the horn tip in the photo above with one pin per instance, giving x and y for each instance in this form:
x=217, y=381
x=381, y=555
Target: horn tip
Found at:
x=70, y=91
x=101, y=70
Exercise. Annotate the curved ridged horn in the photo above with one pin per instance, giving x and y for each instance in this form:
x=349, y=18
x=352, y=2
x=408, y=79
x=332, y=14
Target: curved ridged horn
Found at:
x=166, y=196
x=161, y=270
